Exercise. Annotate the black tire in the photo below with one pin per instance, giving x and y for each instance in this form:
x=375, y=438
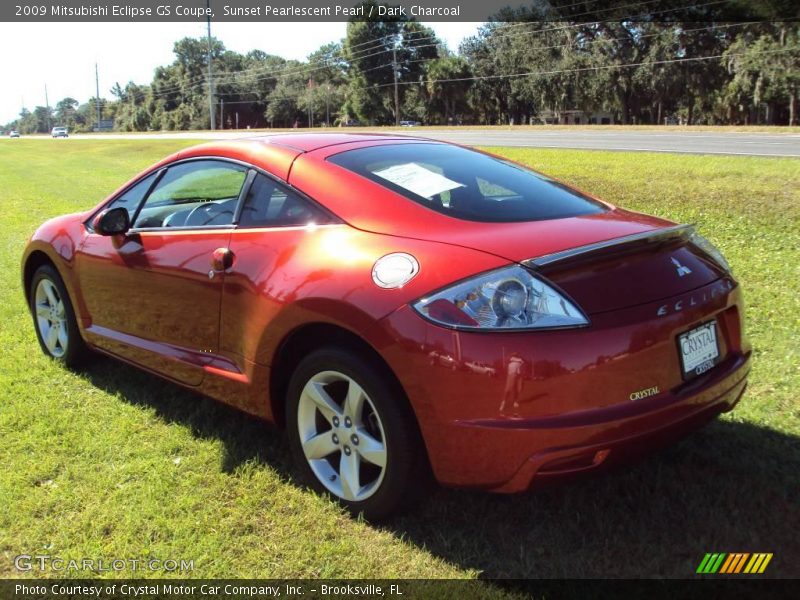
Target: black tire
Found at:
x=76, y=350
x=406, y=476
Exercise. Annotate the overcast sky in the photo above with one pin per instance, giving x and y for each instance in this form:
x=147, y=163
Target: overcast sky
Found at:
x=62, y=55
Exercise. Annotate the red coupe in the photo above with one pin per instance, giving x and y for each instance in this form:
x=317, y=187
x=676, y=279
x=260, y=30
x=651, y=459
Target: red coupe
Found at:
x=402, y=307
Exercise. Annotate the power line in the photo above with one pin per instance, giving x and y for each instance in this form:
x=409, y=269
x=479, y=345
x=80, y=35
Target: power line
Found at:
x=231, y=77
x=581, y=69
x=282, y=73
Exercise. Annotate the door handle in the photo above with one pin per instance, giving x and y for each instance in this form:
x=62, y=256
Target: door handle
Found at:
x=222, y=259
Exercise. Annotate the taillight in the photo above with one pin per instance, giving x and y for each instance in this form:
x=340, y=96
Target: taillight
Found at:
x=508, y=298
x=710, y=249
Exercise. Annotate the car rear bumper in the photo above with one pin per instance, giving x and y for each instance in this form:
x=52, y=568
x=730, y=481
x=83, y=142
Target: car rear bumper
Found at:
x=571, y=409
x=612, y=437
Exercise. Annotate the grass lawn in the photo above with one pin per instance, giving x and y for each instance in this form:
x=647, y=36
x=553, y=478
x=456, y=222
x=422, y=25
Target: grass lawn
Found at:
x=115, y=463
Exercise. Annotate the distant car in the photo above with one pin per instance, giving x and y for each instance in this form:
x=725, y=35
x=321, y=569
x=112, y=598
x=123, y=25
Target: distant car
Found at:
x=13, y=134
x=409, y=123
x=355, y=289
x=59, y=132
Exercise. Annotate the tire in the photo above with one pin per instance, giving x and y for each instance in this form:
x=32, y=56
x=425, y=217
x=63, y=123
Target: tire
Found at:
x=342, y=414
x=54, y=318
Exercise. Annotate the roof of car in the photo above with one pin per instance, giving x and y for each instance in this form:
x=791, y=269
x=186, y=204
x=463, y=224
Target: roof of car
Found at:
x=277, y=152
x=307, y=142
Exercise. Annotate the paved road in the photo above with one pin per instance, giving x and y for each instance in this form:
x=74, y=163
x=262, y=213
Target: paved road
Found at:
x=753, y=144
x=690, y=142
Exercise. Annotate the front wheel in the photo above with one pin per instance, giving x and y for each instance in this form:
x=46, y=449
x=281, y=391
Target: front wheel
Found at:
x=54, y=318
x=353, y=435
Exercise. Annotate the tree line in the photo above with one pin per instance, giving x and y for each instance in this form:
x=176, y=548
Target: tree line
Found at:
x=513, y=71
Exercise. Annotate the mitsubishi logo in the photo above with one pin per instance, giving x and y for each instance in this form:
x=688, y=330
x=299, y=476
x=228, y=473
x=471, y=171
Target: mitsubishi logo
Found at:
x=682, y=270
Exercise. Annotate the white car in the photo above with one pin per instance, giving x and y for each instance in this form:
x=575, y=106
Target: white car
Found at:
x=13, y=134
x=59, y=132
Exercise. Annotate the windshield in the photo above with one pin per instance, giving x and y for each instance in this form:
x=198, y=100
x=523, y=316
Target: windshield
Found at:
x=466, y=184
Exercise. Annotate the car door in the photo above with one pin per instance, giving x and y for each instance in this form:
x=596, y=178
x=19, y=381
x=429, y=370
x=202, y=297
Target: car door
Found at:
x=153, y=295
x=272, y=227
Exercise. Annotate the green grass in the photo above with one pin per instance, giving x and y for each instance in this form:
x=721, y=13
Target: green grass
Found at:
x=115, y=463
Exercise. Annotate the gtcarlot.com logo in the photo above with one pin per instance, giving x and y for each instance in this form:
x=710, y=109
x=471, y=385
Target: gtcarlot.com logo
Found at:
x=734, y=563
x=39, y=562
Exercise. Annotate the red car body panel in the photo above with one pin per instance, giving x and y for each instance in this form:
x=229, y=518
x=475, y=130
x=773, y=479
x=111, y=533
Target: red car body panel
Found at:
x=575, y=392
x=147, y=298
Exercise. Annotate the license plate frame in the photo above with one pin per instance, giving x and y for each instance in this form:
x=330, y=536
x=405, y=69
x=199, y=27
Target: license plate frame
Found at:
x=699, y=360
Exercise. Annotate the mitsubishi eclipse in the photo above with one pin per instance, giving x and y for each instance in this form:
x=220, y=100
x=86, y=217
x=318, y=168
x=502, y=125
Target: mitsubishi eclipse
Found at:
x=402, y=307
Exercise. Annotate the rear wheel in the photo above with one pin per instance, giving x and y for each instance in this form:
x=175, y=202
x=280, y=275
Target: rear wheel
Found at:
x=54, y=318
x=353, y=435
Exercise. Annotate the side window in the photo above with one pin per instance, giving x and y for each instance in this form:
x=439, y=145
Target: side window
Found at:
x=268, y=204
x=132, y=197
x=199, y=193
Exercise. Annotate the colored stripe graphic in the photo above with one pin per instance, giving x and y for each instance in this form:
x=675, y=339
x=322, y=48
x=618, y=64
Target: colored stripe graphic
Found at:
x=734, y=563
x=727, y=564
x=711, y=563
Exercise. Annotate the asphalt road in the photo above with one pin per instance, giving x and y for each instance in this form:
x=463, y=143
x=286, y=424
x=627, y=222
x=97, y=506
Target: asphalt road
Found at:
x=752, y=144
x=687, y=142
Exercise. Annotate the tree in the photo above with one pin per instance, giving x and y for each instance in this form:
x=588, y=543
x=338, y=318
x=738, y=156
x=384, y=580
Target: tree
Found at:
x=370, y=50
x=180, y=90
x=766, y=70
x=65, y=112
x=130, y=111
x=42, y=119
x=520, y=68
x=448, y=85
x=27, y=122
x=283, y=103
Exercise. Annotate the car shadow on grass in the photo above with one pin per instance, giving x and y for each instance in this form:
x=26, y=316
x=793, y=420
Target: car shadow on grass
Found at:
x=729, y=487
x=245, y=438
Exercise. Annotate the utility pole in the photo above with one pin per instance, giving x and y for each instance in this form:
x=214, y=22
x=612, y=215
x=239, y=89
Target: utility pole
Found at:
x=396, y=94
x=222, y=113
x=47, y=104
x=328, y=104
x=210, y=80
x=97, y=95
x=310, y=101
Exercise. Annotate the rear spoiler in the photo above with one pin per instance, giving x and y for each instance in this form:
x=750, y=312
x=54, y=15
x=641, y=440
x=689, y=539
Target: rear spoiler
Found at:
x=654, y=236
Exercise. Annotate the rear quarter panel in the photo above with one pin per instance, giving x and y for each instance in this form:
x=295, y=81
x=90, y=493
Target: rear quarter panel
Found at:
x=286, y=277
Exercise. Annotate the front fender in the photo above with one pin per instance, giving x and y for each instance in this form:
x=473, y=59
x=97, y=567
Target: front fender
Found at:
x=57, y=241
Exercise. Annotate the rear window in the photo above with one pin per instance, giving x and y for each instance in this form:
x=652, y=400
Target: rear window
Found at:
x=466, y=184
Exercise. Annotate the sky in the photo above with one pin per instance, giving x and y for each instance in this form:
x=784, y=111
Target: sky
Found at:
x=62, y=56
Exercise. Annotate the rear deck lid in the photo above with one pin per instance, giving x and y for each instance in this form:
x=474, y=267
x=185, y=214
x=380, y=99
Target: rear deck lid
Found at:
x=630, y=270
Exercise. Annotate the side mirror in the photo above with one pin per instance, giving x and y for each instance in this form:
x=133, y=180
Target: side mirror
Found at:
x=112, y=221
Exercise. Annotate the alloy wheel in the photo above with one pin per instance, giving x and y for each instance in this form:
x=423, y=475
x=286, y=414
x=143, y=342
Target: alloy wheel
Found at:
x=51, y=318
x=342, y=436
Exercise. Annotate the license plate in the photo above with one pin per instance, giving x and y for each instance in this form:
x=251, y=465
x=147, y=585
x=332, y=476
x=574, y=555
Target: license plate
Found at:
x=698, y=349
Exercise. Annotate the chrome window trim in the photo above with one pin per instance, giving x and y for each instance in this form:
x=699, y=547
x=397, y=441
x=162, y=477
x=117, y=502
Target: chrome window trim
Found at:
x=161, y=170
